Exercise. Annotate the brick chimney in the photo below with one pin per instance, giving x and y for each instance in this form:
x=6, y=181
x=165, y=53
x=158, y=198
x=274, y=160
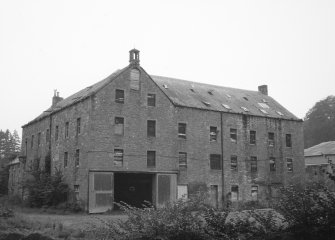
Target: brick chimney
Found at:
x=56, y=98
x=134, y=57
x=263, y=89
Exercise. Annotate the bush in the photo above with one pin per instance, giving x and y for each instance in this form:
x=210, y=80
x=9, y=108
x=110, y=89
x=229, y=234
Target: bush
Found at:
x=45, y=189
x=6, y=212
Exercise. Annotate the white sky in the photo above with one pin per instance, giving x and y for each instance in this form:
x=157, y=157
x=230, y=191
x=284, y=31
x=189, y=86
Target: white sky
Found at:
x=68, y=45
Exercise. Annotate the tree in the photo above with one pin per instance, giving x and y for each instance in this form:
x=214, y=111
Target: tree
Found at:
x=9, y=149
x=319, y=122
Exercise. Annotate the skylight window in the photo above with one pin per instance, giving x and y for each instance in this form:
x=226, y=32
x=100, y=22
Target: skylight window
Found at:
x=280, y=113
x=263, y=105
x=228, y=95
x=165, y=86
x=263, y=111
x=245, y=98
x=210, y=92
x=206, y=103
x=264, y=100
x=192, y=90
x=226, y=106
x=245, y=109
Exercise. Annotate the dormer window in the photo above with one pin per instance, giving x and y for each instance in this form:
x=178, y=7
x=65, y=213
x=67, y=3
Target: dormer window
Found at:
x=135, y=79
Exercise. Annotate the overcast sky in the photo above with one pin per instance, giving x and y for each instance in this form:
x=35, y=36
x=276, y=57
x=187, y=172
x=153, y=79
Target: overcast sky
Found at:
x=69, y=45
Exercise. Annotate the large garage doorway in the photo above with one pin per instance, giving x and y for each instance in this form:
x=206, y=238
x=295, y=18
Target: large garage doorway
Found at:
x=133, y=188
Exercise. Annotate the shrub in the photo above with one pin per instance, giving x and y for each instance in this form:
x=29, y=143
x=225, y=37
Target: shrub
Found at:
x=6, y=212
x=45, y=189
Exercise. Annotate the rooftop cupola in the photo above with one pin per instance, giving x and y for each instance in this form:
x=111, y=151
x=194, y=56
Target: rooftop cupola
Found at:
x=134, y=57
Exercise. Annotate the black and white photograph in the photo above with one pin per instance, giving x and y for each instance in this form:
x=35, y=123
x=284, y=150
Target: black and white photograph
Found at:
x=167, y=120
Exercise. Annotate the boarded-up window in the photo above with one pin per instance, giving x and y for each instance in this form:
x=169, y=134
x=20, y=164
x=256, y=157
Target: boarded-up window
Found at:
x=103, y=199
x=119, y=96
x=213, y=134
x=182, y=130
x=182, y=160
x=151, y=99
x=289, y=164
x=254, y=193
x=272, y=164
x=233, y=135
x=151, y=128
x=118, y=157
x=164, y=187
x=253, y=163
x=234, y=193
x=233, y=163
x=182, y=191
x=135, y=79
x=151, y=158
x=119, y=125
x=215, y=161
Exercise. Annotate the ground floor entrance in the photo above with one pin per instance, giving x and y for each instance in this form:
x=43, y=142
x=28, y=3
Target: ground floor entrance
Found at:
x=134, y=188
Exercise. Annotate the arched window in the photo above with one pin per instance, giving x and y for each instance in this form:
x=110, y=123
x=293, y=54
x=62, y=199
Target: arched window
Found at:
x=135, y=79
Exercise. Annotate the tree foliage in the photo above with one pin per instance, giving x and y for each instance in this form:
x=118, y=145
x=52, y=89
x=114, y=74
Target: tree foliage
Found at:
x=319, y=122
x=45, y=189
x=9, y=148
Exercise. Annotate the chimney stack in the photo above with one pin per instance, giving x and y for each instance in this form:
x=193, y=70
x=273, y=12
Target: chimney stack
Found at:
x=56, y=98
x=134, y=57
x=263, y=89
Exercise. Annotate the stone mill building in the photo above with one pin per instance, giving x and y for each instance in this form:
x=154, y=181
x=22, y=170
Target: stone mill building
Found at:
x=135, y=137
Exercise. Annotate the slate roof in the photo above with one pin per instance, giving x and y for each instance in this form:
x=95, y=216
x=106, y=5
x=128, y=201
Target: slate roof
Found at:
x=203, y=96
x=211, y=97
x=325, y=148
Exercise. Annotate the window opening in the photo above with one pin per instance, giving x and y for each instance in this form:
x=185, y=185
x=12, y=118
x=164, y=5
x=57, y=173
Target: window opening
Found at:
x=151, y=128
x=264, y=105
x=118, y=157
x=56, y=133
x=245, y=109
x=234, y=193
x=271, y=139
x=263, y=111
x=288, y=140
x=182, y=130
x=151, y=158
x=182, y=160
x=213, y=134
x=215, y=161
x=272, y=164
x=78, y=126
x=289, y=164
x=207, y=104
x=66, y=157
x=77, y=158
x=119, y=96
x=253, y=164
x=119, y=125
x=226, y=106
x=151, y=100
x=66, y=129
x=233, y=135
x=233, y=163
x=252, y=137
x=254, y=193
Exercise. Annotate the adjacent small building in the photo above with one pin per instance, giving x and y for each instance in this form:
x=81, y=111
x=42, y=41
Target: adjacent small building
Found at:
x=320, y=163
x=136, y=137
